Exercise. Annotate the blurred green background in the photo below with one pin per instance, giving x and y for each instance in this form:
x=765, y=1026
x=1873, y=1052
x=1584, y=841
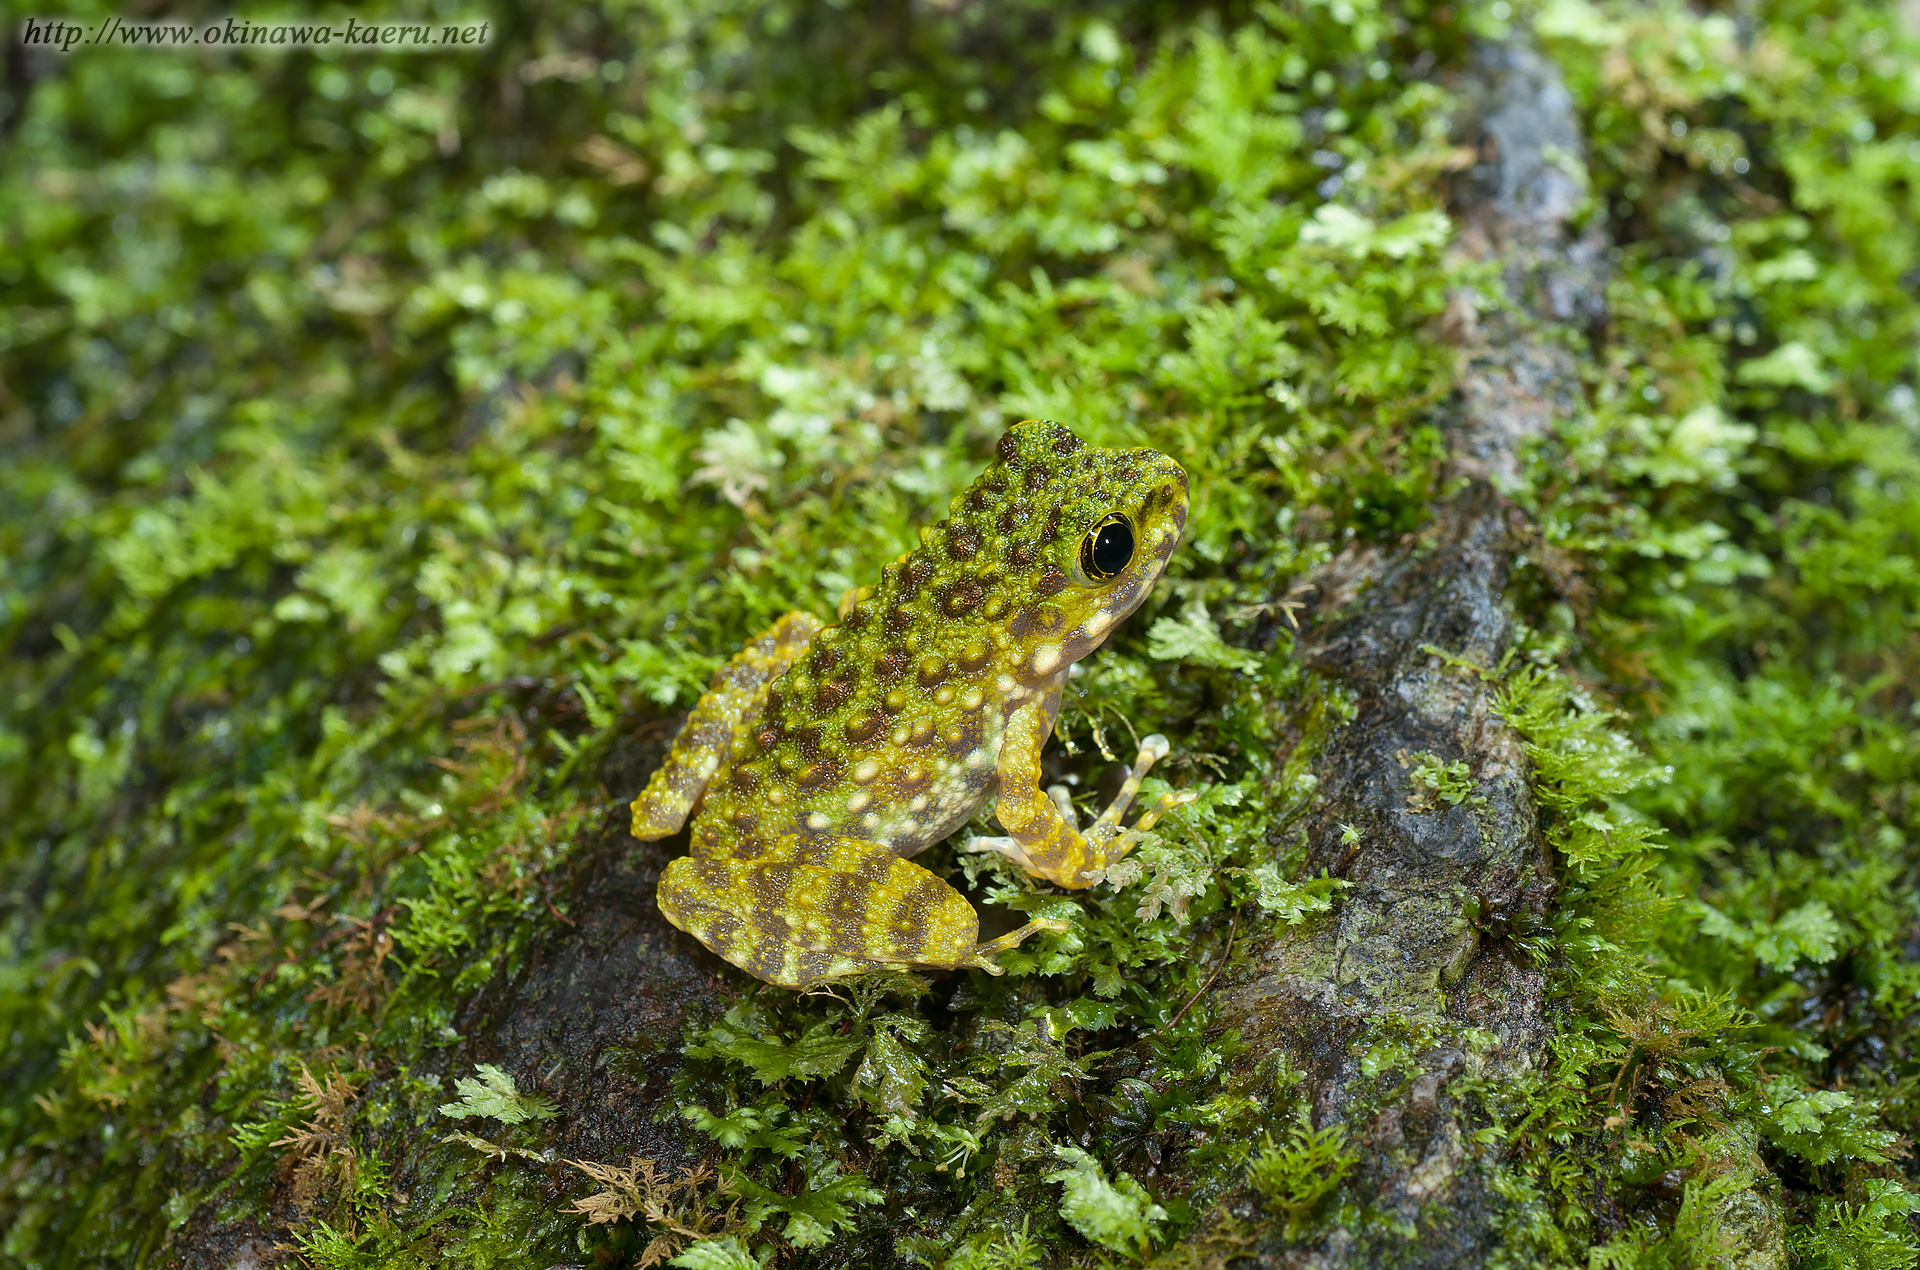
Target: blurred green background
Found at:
x=390, y=437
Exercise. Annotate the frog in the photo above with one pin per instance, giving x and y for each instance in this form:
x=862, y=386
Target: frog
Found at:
x=822, y=757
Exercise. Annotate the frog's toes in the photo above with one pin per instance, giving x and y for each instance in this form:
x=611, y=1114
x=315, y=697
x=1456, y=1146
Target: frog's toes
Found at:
x=1007, y=847
x=1169, y=801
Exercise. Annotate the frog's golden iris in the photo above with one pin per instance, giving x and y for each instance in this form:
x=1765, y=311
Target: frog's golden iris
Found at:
x=821, y=757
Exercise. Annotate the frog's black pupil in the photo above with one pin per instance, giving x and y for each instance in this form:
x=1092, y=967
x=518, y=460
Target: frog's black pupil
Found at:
x=1112, y=548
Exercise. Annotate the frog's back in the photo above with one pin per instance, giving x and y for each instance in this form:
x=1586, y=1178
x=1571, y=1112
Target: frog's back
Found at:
x=887, y=727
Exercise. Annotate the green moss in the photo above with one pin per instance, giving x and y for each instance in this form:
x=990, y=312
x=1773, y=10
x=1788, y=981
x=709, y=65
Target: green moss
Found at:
x=1294, y=1177
x=393, y=440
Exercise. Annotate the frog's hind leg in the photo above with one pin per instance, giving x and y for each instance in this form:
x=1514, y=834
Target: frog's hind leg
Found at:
x=816, y=908
x=1042, y=836
x=731, y=704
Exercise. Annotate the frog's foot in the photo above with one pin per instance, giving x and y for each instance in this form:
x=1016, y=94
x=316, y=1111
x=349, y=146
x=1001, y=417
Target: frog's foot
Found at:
x=817, y=908
x=1044, y=840
x=1152, y=750
x=982, y=953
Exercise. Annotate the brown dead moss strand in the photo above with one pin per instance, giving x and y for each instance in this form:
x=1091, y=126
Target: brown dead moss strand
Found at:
x=320, y=1162
x=694, y=1205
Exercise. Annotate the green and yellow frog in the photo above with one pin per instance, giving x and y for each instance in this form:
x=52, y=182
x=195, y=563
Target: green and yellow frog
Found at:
x=822, y=757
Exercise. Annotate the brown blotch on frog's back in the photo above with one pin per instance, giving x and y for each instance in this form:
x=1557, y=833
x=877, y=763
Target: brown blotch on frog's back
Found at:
x=892, y=665
x=973, y=656
x=822, y=771
x=835, y=693
x=983, y=495
x=863, y=727
x=1052, y=582
x=913, y=576
x=962, y=596
x=899, y=619
x=963, y=542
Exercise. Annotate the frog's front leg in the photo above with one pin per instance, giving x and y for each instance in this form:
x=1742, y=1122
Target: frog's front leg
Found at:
x=816, y=907
x=731, y=704
x=1041, y=836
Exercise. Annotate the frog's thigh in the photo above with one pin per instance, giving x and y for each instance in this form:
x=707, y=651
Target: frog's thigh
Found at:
x=731, y=704
x=820, y=908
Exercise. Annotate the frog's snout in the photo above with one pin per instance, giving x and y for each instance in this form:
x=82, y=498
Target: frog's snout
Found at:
x=1166, y=500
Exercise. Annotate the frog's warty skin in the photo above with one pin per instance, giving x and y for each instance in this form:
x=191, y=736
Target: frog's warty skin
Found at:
x=822, y=756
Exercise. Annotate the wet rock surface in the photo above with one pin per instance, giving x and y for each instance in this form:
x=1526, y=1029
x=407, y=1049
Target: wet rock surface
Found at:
x=1415, y=953
x=597, y=1018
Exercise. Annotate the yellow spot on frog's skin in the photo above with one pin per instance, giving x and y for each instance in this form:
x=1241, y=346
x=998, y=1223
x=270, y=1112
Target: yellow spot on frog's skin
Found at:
x=944, y=697
x=865, y=770
x=1046, y=659
x=1099, y=623
x=900, y=735
x=1006, y=685
x=818, y=820
x=918, y=804
x=972, y=698
x=776, y=796
x=859, y=801
x=980, y=758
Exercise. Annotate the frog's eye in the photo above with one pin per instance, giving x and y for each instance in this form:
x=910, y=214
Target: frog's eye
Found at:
x=1107, y=548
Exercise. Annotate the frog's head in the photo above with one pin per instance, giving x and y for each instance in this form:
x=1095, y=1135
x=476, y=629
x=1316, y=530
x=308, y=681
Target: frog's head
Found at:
x=1083, y=533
